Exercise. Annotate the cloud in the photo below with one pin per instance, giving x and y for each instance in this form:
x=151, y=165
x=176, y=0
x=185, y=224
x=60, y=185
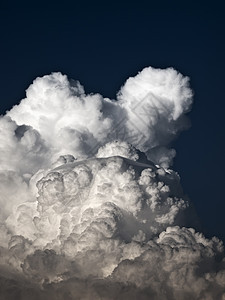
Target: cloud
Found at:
x=90, y=207
x=148, y=113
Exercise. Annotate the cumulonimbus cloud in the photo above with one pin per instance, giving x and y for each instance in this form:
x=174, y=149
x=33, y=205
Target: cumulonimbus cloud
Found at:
x=90, y=208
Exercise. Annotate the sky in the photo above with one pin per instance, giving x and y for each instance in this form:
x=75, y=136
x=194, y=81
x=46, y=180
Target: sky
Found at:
x=102, y=44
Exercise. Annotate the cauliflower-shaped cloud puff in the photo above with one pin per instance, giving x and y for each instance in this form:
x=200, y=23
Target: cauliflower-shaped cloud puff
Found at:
x=90, y=208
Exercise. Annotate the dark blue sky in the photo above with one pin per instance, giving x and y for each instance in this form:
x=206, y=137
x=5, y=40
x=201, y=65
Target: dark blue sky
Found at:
x=101, y=44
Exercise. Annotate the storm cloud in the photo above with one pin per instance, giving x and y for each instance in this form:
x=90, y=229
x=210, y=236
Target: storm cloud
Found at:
x=90, y=207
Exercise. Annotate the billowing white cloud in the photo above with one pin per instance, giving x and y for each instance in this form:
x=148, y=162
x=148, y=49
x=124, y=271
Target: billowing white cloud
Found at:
x=148, y=114
x=89, y=206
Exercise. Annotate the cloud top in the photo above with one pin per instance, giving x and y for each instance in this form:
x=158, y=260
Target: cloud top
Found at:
x=148, y=113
